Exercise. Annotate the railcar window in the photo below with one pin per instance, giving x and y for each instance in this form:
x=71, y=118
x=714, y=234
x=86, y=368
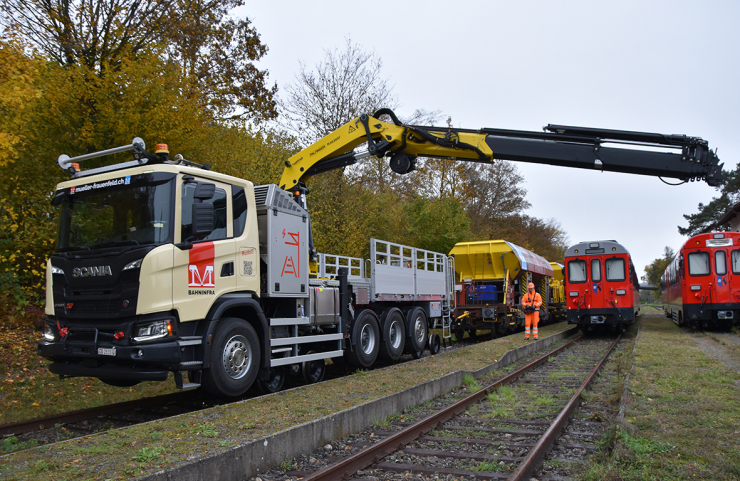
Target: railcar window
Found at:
x=736, y=262
x=699, y=263
x=595, y=270
x=720, y=263
x=615, y=269
x=577, y=271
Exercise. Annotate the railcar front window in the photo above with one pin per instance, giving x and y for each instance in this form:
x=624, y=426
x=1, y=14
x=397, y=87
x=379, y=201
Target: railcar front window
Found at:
x=130, y=211
x=615, y=270
x=577, y=271
x=595, y=270
x=736, y=262
x=720, y=263
x=699, y=264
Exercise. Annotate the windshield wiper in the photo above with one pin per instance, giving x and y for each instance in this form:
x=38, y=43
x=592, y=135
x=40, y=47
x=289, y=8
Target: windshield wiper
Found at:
x=73, y=248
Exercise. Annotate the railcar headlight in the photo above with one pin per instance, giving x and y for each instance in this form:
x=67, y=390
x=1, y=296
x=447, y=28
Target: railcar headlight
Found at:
x=695, y=287
x=573, y=293
x=49, y=333
x=56, y=270
x=621, y=292
x=133, y=265
x=153, y=330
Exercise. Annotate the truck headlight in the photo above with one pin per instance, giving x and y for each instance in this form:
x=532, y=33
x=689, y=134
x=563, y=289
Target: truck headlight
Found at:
x=56, y=270
x=49, y=333
x=153, y=330
x=132, y=265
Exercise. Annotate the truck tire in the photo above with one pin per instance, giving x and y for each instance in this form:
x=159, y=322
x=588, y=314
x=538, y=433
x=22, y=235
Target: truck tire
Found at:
x=365, y=340
x=120, y=382
x=275, y=382
x=235, y=359
x=393, y=335
x=417, y=331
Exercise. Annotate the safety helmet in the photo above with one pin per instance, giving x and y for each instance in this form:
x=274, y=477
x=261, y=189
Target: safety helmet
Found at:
x=530, y=286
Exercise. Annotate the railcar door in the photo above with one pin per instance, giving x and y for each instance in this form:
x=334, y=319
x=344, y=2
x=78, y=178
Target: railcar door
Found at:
x=596, y=284
x=721, y=277
x=617, y=284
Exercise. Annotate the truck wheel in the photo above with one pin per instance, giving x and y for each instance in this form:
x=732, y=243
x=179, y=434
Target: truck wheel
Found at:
x=313, y=371
x=417, y=331
x=366, y=339
x=434, y=343
x=393, y=335
x=235, y=359
x=275, y=382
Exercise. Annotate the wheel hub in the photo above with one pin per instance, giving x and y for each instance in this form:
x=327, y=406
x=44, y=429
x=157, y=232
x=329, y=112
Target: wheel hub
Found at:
x=236, y=357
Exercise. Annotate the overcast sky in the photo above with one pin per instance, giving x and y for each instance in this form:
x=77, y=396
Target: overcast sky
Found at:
x=671, y=67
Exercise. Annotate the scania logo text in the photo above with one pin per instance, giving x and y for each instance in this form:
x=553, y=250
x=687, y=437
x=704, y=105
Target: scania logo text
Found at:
x=92, y=271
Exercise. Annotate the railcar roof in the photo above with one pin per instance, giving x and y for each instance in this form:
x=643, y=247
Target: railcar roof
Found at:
x=596, y=248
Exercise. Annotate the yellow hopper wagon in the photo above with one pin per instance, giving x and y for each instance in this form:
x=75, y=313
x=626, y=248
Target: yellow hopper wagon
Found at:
x=490, y=278
x=556, y=304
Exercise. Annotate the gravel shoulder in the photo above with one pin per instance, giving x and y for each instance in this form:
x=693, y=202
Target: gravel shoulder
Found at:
x=147, y=448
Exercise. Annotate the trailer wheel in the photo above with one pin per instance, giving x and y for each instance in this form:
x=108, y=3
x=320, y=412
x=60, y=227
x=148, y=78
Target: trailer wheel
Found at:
x=275, y=381
x=393, y=335
x=366, y=340
x=434, y=343
x=313, y=371
x=235, y=359
x=417, y=331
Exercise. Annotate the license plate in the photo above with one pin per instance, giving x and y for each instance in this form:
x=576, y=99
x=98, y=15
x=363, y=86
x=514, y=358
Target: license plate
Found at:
x=106, y=351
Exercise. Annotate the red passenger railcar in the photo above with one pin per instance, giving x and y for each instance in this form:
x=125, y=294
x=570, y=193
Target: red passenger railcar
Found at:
x=601, y=285
x=701, y=285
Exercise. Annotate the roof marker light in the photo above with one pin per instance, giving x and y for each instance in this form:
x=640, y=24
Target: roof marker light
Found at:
x=719, y=236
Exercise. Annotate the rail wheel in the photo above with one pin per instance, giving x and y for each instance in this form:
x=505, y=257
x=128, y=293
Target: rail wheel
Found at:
x=274, y=382
x=366, y=340
x=435, y=343
x=235, y=358
x=459, y=333
x=313, y=371
x=393, y=335
x=417, y=331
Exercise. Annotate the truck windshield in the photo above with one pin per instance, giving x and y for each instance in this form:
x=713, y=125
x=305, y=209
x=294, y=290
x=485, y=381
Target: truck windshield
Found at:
x=132, y=210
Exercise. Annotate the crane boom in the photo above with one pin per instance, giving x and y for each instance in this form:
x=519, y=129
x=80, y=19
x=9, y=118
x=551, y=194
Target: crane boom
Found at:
x=688, y=158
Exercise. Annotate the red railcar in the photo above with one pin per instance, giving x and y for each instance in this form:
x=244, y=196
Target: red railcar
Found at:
x=701, y=285
x=601, y=285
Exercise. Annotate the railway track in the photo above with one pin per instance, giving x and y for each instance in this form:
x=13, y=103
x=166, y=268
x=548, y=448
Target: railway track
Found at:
x=503, y=431
x=67, y=425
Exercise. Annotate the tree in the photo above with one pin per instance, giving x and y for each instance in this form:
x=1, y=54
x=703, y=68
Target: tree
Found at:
x=345, y=85
x=709, y=215
x=655, y=269
x=216, y=52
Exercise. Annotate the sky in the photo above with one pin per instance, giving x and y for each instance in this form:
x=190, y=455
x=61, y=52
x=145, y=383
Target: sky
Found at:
x=671, y=67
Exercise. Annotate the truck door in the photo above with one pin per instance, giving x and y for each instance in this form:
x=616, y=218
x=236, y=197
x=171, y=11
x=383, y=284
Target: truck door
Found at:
x=205, y=271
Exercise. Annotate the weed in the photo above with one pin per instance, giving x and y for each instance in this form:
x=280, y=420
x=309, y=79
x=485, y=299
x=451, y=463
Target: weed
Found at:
x=43, y=465
x=12, y=444
x=207, y=430
x=288, y=464
x=643, y=447
x=146, y=455
x=361, y=373
x=545, y=400
x=489, y=466
x=471, y=383
x=155, y=436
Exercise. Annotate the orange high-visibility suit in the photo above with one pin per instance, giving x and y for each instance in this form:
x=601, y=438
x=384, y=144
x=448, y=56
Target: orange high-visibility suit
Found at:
x=533, y=299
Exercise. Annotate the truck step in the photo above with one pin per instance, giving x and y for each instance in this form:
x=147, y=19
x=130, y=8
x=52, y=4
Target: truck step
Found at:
x=191, y=363
x=189, y=385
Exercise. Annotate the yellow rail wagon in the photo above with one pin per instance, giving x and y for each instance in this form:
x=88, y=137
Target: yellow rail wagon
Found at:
x=556, y=303
x=490, y=278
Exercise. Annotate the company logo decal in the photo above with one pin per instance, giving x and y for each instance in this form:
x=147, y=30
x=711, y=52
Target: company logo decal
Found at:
x=289, y=265
x=719, y=281
x=201, y=270
x=92, y=271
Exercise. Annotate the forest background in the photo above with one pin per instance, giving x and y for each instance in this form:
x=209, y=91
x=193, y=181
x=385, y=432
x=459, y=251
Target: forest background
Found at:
x=86, y=76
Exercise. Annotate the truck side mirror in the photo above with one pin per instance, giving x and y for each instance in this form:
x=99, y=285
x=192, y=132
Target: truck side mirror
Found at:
x=204, y=191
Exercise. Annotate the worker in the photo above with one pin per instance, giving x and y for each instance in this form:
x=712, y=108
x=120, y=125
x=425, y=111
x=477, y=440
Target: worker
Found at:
x=531, y=302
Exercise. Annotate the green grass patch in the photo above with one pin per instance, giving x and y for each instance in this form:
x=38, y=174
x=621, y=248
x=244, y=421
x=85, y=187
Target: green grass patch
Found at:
x=471, y=383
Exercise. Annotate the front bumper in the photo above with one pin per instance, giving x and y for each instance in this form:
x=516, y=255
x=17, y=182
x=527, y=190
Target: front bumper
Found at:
x=600, y=317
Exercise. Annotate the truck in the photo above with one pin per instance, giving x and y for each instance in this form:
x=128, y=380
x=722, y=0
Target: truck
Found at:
x=165, y=266
x=490, y=279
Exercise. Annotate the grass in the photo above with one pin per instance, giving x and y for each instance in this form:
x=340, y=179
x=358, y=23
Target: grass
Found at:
x=239, y=422
x=682, y=415
x=471, y=383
